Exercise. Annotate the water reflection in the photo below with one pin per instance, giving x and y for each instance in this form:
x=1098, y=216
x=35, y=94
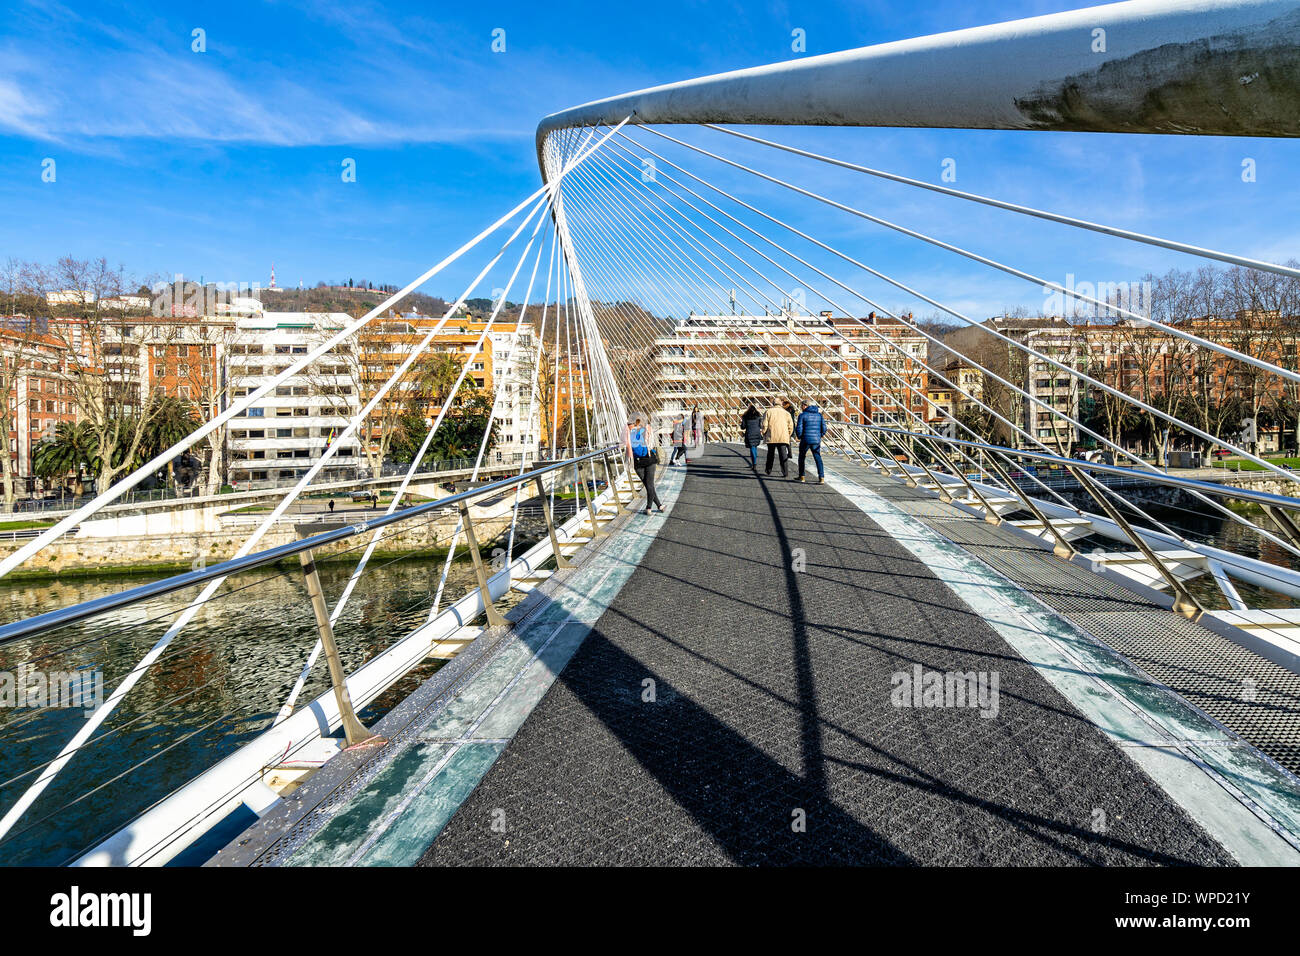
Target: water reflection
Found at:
x=218, y=685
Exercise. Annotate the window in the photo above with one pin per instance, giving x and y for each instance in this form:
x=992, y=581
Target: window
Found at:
x=255, y=412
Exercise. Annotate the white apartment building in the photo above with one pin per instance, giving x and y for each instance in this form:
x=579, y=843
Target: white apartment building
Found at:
x=288, y=430
x=723, y=362
x=517, y=413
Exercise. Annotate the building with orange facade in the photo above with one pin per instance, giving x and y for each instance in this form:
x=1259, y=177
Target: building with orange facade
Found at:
x=39, y=399
x=884, y=369
x=500, y=361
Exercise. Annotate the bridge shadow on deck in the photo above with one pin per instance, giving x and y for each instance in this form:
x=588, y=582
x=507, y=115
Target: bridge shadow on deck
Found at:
x=734, y=705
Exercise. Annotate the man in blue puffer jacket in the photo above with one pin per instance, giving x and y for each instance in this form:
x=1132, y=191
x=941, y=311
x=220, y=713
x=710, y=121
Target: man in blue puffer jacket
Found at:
x=809, y=430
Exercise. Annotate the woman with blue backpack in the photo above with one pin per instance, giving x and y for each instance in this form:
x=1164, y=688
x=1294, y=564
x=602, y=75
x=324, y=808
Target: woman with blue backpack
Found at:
x=644, y=459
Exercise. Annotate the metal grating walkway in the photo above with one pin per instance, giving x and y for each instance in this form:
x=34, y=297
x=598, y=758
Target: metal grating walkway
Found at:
x=1208, y=670
x=768, y=619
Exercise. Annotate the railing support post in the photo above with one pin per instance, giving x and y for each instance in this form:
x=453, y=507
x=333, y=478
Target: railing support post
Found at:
x=990, y=514
x=354, y=731
x=1063, y=548
x=590, y=495
x=560, y=560
x=943, y=492
x=1286, y=524
x=1184, y=603
x=495, y=617
x=612, y=480
x=871, y=442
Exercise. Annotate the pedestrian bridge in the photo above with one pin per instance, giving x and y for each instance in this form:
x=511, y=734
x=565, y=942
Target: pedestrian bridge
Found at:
x=973, y=643
x=736, y=682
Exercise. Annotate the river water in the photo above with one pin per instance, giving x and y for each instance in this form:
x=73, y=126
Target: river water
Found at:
x=217, y=685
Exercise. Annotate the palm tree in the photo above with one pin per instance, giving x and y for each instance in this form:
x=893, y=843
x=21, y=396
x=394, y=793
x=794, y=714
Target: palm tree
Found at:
x=171, y=421
x=72, y=449
x=436, y=376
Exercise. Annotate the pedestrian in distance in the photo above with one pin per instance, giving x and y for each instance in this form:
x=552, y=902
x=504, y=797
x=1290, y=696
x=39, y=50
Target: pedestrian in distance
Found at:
x=809, y=429
x=751, y=431
x=331, y=504
x=777, y=429
x=794, y=417
x=697, y=427
x=644, y=459
x=679, y=440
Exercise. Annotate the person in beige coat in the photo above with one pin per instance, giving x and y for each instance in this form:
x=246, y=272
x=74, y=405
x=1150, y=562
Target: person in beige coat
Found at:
x=778, y=427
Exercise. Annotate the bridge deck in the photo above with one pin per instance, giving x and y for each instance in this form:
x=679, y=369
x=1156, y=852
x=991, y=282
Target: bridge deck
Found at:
x=772, y=618
x=773, y=696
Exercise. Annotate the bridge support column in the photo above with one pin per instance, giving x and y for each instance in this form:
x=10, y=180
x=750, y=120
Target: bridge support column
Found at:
x=353, y=729
x=495, y=617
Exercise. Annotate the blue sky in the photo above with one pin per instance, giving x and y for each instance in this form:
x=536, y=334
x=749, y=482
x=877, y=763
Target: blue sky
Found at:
x=222, y=162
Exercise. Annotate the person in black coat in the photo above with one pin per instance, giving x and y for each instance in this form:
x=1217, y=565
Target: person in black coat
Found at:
x=751, y=427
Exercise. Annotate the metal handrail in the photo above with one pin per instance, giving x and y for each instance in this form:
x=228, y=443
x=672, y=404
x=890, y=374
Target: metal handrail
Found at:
x=52, y=620
x=1157, y=477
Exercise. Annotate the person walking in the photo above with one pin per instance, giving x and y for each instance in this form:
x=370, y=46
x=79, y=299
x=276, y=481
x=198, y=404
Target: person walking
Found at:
x=697, y=426
x=638, y=451
x=776, y=431
x=809, y=430
x=679, y=440
x=331, y=504
x=794, y=417
x=751, y=431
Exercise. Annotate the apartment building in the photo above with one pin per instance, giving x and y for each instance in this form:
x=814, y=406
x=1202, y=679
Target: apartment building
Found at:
x=287, y=431
x=883, y=365
x=1054, y=392
x=721, y=363
x=960, y=389
x=501, y=361
x=184, y=358
x=39, y=396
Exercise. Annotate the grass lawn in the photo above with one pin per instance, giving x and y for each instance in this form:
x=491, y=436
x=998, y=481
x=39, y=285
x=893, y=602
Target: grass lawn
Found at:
x=1234, y=464
x=20, y=525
